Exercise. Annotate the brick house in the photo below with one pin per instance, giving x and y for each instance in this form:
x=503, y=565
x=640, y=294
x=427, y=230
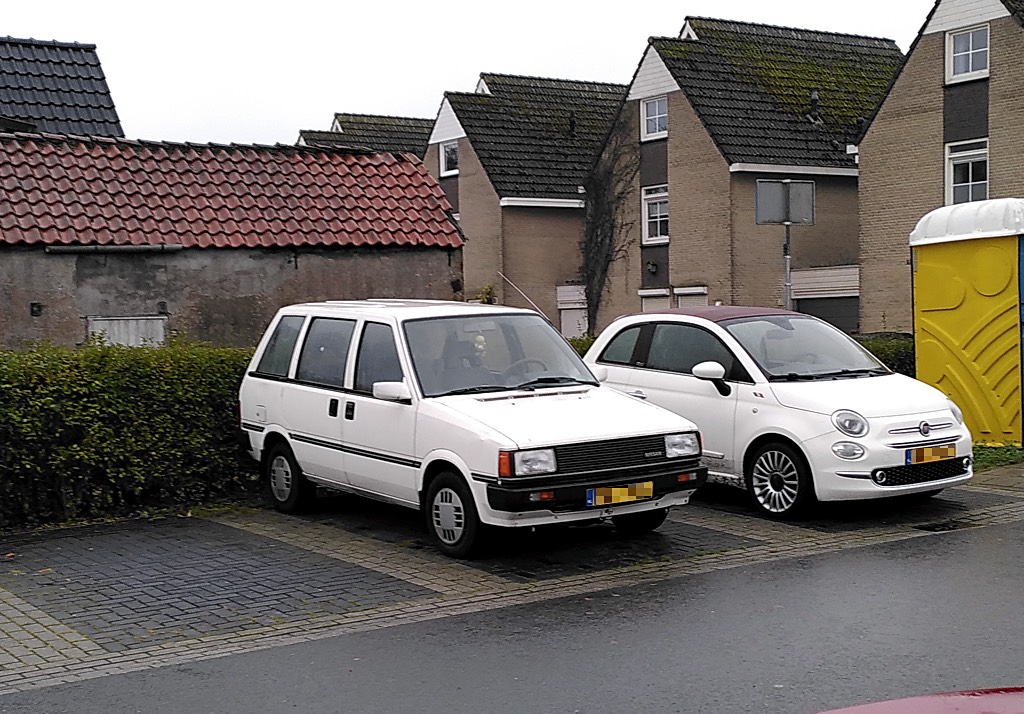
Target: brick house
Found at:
x=513, y=157
x=54, y=87
x=372, y=131
x=142, y=240
x=948, y=131
x=708, y=114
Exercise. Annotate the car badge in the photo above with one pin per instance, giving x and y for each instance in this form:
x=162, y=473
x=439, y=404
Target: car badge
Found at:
x=652, y=454
x=925, y=428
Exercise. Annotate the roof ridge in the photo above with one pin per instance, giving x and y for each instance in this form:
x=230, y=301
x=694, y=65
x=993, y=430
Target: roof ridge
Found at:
x=747, y=23
x=49, y=43
x=73, y=139
x=381, y=116
x=552, y=79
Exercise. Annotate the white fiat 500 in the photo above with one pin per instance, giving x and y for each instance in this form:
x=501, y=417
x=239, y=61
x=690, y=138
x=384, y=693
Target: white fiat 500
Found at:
x=790, y=408
x=476, y=414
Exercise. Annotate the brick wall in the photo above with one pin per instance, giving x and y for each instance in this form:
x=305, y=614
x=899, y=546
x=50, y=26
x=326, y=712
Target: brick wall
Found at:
x=902, y=174
x=222, y=296
x=542, y=251
x=624, y=277
x=1006, y=90
x=480, y=218
x=758, y=259
x=699, y=200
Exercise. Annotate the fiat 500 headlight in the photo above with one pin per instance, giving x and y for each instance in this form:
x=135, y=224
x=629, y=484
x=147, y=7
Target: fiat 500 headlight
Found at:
x=850, y=423
x=679, y=445
x=535, y=462
x=956, y=411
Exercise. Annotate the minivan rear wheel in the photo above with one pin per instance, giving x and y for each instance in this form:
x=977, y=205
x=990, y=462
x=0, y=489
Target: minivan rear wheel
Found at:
x=452, y=518
x=289, y=490
x=779, y=481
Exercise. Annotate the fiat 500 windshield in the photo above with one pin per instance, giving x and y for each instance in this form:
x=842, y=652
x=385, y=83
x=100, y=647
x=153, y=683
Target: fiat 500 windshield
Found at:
x=795, y=348
x=474, y=354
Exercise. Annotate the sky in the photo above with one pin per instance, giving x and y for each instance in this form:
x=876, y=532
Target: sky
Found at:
x=222, y=71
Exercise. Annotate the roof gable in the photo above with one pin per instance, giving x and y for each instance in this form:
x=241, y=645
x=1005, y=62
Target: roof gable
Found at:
x=55, y=87
x=537, y=137
x=374, y=132
x=957, y=14
x=777, y=95
x=59, y=190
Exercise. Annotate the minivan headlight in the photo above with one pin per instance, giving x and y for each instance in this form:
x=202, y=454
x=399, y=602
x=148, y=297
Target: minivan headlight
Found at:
x=956, y=411
x=535, y=462
x=679, y=445
x=850, y=423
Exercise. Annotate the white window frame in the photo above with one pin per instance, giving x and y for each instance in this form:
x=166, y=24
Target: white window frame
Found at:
x=442, y=156
x=652, y=195
x=951, y=77
x=645, y=114
x=965, y=152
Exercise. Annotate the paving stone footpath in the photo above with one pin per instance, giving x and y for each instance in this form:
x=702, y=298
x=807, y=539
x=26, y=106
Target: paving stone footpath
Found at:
x=97, y=600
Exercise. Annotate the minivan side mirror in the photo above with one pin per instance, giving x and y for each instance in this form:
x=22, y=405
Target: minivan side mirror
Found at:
x=392, y=392
x=713, y=372
x=600, y=373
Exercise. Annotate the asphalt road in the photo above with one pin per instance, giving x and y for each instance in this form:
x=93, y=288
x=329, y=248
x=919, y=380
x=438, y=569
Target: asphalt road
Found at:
x=936, y=613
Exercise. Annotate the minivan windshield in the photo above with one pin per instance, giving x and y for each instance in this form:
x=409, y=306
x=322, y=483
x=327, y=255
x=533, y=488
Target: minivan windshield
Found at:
x=798, y=347
x=478, y=353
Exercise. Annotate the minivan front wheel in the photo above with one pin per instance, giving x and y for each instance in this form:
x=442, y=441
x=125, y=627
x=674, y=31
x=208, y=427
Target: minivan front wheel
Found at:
x=289, y=490
x=779, y=481
x=451, y=516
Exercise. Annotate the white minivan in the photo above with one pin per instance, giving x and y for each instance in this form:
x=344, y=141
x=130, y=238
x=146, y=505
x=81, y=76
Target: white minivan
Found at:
x=790, y=408
x=478, y=415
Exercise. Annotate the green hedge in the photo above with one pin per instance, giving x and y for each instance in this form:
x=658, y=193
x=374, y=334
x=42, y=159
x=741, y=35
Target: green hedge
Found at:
x=110, y=431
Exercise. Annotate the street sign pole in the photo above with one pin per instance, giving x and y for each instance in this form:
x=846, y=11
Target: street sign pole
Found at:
x=789, y=273
x=786, y=202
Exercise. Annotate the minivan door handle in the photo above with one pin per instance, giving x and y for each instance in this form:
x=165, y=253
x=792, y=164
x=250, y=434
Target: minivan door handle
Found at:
x=638, y=394
x=350, y=410
x=332, y=408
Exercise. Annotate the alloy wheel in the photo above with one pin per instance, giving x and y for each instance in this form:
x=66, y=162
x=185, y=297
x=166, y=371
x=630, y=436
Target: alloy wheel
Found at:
x=775, y=482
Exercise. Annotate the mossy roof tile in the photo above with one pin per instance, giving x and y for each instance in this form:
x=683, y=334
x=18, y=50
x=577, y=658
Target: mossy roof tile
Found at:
x=375, y=132
x=751, y=85
x=537, y=137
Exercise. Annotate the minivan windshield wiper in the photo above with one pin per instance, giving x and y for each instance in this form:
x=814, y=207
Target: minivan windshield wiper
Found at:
x=479, y=389
x=551, y=381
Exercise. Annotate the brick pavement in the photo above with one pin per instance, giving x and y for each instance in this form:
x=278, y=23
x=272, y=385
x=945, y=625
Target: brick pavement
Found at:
x=99, y=600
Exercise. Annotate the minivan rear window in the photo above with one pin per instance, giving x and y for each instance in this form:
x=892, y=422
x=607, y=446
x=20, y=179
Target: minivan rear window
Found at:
x=278, y=354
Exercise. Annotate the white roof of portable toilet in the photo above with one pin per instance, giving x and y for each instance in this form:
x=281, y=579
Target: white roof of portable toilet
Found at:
x=967, y=221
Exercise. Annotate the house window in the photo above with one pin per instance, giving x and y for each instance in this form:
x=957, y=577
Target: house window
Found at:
x=967, y=54
x=654, y=118
x=655, y=215
x=967, y=172
x=654, y=299
x=449, y=158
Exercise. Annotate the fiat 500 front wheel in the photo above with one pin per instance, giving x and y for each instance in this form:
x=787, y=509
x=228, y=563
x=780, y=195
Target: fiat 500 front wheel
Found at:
x=779, y=481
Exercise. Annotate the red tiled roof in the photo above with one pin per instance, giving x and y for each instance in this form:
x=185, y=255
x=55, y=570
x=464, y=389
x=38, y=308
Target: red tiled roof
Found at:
x=65, y=190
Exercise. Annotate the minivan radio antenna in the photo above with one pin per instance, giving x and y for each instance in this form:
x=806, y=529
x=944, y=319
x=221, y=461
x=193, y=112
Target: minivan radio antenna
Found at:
x=525, y=296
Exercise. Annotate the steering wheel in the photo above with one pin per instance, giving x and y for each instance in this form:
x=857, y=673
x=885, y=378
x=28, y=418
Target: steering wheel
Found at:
x=519, y=366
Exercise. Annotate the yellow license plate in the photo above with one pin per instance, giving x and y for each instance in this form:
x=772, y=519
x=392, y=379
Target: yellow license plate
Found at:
x=928, y=454
x=620, y=494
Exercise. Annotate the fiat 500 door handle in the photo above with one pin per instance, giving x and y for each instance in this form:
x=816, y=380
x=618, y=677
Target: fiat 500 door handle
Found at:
x=638, y=394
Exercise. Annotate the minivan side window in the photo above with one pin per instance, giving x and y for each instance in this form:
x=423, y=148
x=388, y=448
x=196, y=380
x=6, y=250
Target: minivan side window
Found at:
x=278, y=354
x=620, y=349
x=377, y=359
x=677, y=348
x=325, y=352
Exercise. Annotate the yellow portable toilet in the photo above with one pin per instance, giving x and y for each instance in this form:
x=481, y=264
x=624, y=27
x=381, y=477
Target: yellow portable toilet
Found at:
x=967, y=311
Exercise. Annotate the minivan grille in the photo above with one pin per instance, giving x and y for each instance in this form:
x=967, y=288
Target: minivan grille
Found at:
x=614, y=453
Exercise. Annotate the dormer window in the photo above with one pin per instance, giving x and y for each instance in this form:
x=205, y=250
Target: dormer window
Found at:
x=449, y=158
x=967, y=54
x=654, y=118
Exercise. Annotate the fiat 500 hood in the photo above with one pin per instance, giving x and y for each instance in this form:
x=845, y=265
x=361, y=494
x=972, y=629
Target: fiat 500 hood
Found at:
x=878, y=396
x=553, y=416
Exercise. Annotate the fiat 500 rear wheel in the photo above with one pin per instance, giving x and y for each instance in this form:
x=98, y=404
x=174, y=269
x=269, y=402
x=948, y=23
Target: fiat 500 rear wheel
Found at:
x=451, y=516
x=779, y=481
